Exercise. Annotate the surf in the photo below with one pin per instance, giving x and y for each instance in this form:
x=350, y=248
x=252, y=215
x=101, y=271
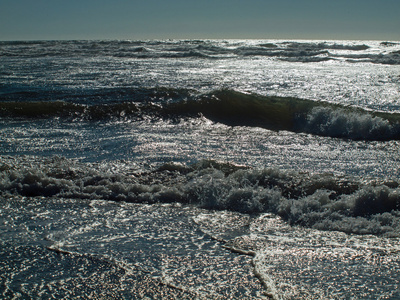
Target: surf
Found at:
x=320, y=201
x=229, y=107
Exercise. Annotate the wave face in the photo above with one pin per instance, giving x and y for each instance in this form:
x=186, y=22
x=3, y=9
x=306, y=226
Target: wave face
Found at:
x=321, y=201
x=225, y=106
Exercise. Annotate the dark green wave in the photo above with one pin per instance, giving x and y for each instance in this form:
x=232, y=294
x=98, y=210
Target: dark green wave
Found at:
x=228, y=107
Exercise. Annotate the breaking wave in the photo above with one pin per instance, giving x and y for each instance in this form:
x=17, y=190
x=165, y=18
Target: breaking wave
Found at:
x=225, y=106
x=321, y=201
x=207, y=49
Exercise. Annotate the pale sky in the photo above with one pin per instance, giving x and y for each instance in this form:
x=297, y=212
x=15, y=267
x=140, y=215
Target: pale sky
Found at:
x=162, y=19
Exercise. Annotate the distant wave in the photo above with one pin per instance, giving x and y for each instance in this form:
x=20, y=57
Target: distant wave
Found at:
x=287, y=51
x=321, y=201
x=225, y=106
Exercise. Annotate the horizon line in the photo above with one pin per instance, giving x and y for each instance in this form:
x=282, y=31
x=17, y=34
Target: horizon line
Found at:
x=194, y=39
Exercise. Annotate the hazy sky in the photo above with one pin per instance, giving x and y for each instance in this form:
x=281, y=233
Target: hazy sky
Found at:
x=160, y=19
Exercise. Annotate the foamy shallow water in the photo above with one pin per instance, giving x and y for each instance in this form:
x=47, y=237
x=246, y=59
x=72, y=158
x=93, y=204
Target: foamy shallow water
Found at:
x=65, y=248
x=63, y=236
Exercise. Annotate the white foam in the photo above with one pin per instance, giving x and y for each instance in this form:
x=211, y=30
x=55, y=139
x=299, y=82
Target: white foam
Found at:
x=349, y=124
x=322, y=201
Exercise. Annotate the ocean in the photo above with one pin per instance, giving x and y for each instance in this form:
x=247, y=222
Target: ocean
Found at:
x=200, y=169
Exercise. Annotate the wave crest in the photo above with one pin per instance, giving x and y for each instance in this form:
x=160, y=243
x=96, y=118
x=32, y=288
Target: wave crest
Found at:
x=351, y=124
x=225, y=106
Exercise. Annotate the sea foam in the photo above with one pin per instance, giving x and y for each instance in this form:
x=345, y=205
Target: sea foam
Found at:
x=321, y=201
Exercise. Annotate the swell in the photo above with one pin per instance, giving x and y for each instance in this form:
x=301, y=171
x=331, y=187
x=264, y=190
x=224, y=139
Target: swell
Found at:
x=176, y=49
x=322, y=201
x=224, y=106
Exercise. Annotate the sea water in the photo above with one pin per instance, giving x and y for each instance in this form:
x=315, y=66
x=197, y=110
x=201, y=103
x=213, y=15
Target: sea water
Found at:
x=200, y=169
